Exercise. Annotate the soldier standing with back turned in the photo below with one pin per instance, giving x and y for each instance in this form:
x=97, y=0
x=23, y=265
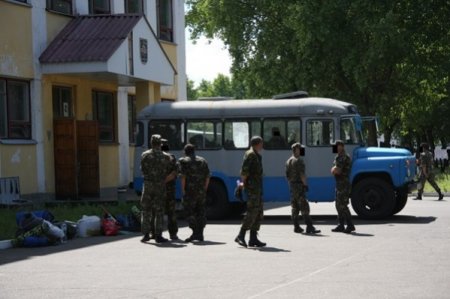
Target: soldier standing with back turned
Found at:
x=251, y=176
x=426, y=172
x=170, y=207
x=341, y=171
x=295, y=174
x=155, y=166
x=195, y=175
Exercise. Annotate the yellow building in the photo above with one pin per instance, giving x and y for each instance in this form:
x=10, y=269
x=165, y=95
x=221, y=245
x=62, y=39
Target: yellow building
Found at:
x=73, y=74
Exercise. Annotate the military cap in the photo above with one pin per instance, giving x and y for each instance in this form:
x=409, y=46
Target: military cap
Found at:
x=256, y=140
x=339, y=142
x=296, y=145
x=156, y=139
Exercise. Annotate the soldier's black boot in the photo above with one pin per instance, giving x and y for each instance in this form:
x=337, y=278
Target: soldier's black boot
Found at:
x=419, y=196
x=199, y=236
x=310, y=229
x=350, y=227
x=254, y=242
x=192, y=237
x=240, y=239
x=340, y=228
x=441, y=196
x=298, y=229
x=146, y=238
x=160, y=239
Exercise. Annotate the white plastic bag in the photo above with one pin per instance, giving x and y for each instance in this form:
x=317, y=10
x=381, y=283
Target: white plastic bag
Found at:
x=88, y=226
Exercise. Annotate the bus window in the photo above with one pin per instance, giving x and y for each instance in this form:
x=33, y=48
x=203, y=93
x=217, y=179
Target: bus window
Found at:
x=205, y=134
x=172, y=131
x=320, y=132
x=275, y=134
x=255, y=128
x=139, y=134
x=236, y=135
x=348, y=131
x=294, y=129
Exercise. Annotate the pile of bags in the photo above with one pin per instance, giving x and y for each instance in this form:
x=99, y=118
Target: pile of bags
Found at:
x=39, y=228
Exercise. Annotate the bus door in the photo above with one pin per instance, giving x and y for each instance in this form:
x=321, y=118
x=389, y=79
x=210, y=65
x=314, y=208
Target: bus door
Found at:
x=278, y=135
x=318, y=137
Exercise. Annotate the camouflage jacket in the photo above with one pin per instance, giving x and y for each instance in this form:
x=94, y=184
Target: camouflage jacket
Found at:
x=155, y=166
x=196, y=171
x=344, y=163
x=295, y=169
x=252, y=168
x=426, y=160
x=170, y=186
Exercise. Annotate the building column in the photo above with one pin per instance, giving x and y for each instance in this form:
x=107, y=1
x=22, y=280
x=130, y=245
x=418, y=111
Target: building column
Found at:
x=147, y=93
x=123, y=134
x=39, y=24
x=180, y=41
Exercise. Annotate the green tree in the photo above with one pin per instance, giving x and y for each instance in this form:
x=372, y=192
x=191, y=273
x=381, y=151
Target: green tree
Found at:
x=381, y=55
x=192, y=93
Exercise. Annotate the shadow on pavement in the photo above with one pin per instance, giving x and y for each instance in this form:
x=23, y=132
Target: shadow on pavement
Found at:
x=208, y=243
x=269, y=249
x=18, y=254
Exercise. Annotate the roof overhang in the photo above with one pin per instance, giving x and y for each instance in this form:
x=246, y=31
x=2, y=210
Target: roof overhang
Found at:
x=135, y=56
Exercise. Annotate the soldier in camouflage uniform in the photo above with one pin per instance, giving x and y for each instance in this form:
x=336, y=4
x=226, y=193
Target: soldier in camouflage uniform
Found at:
x=341, y=171
x=295, y=174
x=251, y=176
x=155, y=166
x=426, y=172
x=194, y=172
x=170, y=207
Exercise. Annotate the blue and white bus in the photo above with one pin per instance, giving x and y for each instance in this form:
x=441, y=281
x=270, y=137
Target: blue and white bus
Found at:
x=221, y=129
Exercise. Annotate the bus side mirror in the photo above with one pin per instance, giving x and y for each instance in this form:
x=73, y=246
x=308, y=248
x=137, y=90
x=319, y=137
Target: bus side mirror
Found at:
x=334, y=149
x=302, y=151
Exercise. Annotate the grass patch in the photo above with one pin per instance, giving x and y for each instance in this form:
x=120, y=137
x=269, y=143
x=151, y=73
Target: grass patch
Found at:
x=443, y=181
x=72, y=211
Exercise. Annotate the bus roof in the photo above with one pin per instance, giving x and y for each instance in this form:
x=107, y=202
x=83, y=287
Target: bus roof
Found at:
x=246, y=109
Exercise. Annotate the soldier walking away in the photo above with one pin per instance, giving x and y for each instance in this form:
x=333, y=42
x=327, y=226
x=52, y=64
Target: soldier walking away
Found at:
x=155, y=166
x=251, y=176
x=170, y=207
x=195, y=175
x=295, y=174
x=426, y=172
x=341, y=171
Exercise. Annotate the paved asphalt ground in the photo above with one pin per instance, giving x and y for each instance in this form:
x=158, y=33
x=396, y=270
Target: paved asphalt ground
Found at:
x=406, y=256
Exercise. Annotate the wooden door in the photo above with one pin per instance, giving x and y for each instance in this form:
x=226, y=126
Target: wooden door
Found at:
x=88, y=158
x=65, y=156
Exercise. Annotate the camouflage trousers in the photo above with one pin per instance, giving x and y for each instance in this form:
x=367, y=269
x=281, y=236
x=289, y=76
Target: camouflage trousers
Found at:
x=38, y=231
x=152, y=203
x=255, y=211
x=299, y=204
x=342, y=201
x=170, y=210
x=423, y=179
x=195, y=208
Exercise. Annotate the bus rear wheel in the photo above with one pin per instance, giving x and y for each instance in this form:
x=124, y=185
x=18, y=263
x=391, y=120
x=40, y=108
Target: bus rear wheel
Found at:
x=217, y=205
x=373, y=198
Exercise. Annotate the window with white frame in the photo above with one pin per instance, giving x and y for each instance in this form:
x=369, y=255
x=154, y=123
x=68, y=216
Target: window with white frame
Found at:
x=99, y=7
x=15, y=115
x=134, y=6
x=62, y=6
x=165, y=20
x=104, y=113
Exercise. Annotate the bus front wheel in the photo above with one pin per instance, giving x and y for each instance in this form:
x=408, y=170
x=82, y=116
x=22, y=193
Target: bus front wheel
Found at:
x=373, y=198
x=401, y=197
x=217, y=205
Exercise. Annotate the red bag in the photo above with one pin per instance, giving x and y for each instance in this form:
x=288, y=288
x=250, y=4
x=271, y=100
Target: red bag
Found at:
x=110, y=227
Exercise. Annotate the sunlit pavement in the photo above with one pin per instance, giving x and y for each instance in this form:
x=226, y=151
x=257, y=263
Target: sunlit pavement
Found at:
x=406, y=256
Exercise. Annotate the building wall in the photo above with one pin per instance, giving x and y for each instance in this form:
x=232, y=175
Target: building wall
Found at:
x=16, y=55
x=32, y=28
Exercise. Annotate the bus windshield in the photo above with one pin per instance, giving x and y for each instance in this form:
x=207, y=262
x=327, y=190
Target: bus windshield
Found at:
x=351, y=130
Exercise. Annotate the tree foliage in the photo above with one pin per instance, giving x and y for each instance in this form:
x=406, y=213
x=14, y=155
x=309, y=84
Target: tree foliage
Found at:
x=391, y=58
